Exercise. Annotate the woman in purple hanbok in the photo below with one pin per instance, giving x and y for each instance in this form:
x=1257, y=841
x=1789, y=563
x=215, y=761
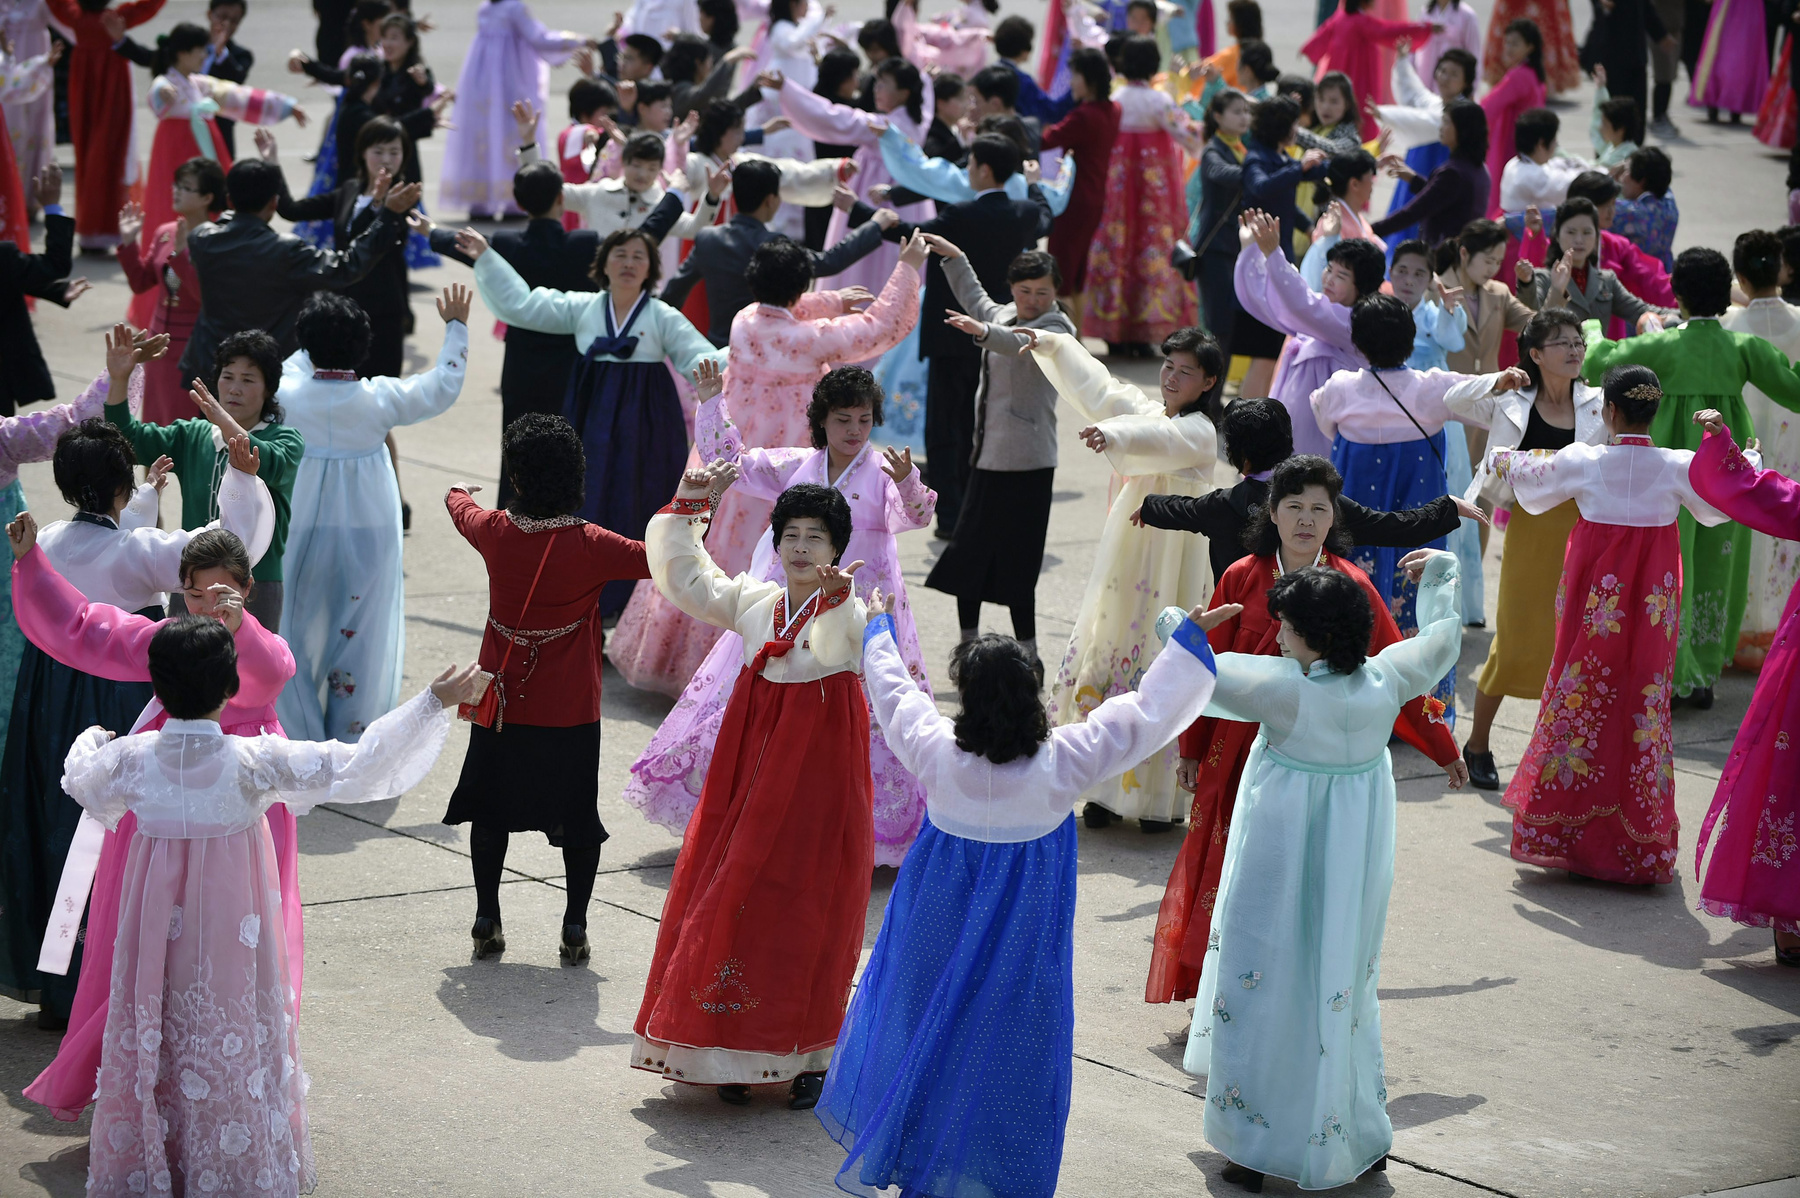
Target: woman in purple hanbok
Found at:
x=1733, y=70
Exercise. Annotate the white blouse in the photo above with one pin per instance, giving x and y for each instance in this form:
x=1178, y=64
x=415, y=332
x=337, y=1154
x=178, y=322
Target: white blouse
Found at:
x=1629, y=482
x=1505, y=414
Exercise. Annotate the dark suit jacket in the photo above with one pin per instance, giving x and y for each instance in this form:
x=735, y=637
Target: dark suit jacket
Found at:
x=992, y=230
x=24, y=378
x=252, y=277
x=383, y=291
x=1271, y=182
x=721, y=255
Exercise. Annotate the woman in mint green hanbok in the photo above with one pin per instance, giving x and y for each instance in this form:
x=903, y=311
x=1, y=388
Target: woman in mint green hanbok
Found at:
x=1295, y=952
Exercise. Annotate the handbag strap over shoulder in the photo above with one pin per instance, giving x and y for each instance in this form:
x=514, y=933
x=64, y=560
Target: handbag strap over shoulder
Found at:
x=1423, y=435
x=530, y=594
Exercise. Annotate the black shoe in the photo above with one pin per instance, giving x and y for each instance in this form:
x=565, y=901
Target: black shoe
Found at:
x=1783, y=956
x=806, y=1090
x=1095, y=816
x=574, y=947
x=1483, y=773
x=1700, y=698
x=1151, y=827
x=735, y=1095
x=488, y=938
x=1249, y=1179
x=405, y=516
x=1379, y=1166
x=50, y=1021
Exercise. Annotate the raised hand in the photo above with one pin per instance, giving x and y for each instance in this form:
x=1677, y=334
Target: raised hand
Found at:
x=74, y=289
x=179, y=244
x=114, y=24
x=1534, y=220
x=131, y=221
x=1329, y=224
x=689, y=123
x=1034, y=171
x=915, y=251
x=296, y=60
x=266, y=148
x=964, y=323
x=48, y=185
x=121, y=354
x=525, y=119
x=897, y=463
x=1513, y=378
x=157, y=474
x=21, y=534
x=471, y=244
x=774, y=124
x=245, y=457
x=380, y=185
x=1711, y=421
x=1094, y=437
x=854, y=299
x=454, y=304
x=1599, y=74
x=402, y=198
x=833, y=579
x=1559, y=278
x=1523, y=270
x=718, y=181
x=1450, y=298
x=227, y=606
x=880, y=603
x=211, y=408
x=455, y=686
x=1212, y=618
x=709, y=380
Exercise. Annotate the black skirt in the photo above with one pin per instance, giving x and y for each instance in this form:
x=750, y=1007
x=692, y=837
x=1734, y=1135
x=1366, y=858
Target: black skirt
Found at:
x=528, y=778
x=1251, y=338
x=999, y=546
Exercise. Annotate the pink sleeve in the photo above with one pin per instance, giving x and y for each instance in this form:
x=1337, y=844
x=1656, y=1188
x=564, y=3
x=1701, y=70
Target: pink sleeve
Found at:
x=1760, y=499
x=1250, y=279
x=1508, y=91
x=95, y=638
x=1642, y=275
x=819, y=305
x=1534, y=247
x=766, y=471
x=1393, y=31
x=715, y=437
x=553, y=47
x=265, y=663
x=822, y=120
x=910, y=503
x=32, y=437
x=860, y=336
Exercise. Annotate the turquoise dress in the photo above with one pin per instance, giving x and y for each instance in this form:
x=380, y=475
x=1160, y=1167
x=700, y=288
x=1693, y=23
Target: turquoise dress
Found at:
x=1287, y=1030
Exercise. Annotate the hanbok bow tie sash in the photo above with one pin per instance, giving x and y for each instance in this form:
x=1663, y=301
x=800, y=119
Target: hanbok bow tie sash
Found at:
x=617, y=343
x=785, y=636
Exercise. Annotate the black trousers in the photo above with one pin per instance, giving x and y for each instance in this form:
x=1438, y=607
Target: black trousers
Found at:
x=950, y=386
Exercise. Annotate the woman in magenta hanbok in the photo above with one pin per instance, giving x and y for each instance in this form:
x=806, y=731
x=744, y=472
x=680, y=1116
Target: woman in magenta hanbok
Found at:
x=780, y=348
x=1733, y=70
x=1519, y=89
x=1754, y=874
x=886, y=498
x=108, y=642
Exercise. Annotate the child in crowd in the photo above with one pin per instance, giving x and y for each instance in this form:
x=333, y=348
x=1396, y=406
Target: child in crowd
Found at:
x=1646, y=213
x=1617, y=126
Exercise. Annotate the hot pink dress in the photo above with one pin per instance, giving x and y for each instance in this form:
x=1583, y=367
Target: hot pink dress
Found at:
x=777, y=355
x=109, y=643
x=1754, y=874
x=1518, y=90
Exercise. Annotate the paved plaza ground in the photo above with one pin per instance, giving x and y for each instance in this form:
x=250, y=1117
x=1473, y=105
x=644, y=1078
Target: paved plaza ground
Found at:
x=1544, y=1037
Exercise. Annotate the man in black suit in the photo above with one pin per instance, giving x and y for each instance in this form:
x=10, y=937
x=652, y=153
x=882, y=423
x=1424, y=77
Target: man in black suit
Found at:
x=225, y=59
x=992, y=230
x=721, y=253
x=26, y=379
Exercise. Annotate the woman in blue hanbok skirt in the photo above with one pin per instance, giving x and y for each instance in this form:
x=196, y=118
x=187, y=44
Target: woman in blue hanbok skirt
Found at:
x=1287, y=1029
x=952, y=1071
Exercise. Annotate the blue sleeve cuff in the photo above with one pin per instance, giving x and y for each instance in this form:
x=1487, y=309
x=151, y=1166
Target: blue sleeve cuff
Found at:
x=753, y=137
x=880, y=624
x=53, y=210
x=1189, y=637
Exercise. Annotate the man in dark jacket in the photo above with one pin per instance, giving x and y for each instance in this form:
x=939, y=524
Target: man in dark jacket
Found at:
x=24, y=378
x=721, y=253
x=252, y=277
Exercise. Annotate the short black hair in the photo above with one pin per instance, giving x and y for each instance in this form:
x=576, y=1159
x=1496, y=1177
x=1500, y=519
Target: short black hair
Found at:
x=1002, y=716
x=1292, y=477
x=1146, y=5
x=1000, y=154
x=879, y=32
x=1623, y=114
x=1535, y=127
x=1469, y=119
x=1542, y=326
x=687, y=53
x=1465, y=62
x=647, y=47
x=1339, y=82
x=1365, y=261
x=617, y=238
x=779, y=272
x=1634, y=392
x=252, y=184
x=361, y=73
x=753, y=181
x=812, y=501
x=1416, y=247
x=837, y=66
x=1140, y=58
x=1567, y=211
x=378, y=131
x=654, y=91
x=537, y=186
x=1348, y=167
x=1596, y=186
x=947, y=85
x=997, y=82
x=1329, y=611
x=588, y=96
x=1205, y=351
x=193, y=666
x=261, y=349
x=1702, y=281
x=543, y=457
x=724, y=17
x=1272, y=120
x=92, y=465
x=1010, y=126
x=1756, y=255
x=843, y=387
x=1299, y=89
x=216, y=549
x=1014, y=36
x=183, y=37
x=1094, y=70
x=1246, y=19
x=207, y=178
x=1258, y=435
x=1382, y=330
x=716, y=120
x=1481, y=235
x=1651, y=167
x=1033, y=264
x=334, y=330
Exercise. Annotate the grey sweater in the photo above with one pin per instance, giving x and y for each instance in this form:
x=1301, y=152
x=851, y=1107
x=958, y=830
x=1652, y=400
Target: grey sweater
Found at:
x=1015, y=407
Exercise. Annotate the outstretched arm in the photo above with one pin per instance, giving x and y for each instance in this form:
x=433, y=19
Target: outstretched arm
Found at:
x=1127, y=728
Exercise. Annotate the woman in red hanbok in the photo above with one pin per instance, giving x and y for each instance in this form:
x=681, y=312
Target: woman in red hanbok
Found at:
x=1595, y=793
x=1754, y=874
x=1306, y=527
x=1560, y=65
x=763, y=925
x=101, y=117
x=164, y=274
x=1352, y=41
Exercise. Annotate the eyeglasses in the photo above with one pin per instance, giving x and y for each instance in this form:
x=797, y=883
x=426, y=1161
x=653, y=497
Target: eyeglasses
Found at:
x=1578, y=346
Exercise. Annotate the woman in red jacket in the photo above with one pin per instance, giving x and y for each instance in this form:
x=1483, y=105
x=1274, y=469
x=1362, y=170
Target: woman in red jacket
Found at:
x=1086, y=135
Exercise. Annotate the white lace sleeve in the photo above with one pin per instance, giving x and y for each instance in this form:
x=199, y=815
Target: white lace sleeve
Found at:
x=393, y=756
x=95, y=775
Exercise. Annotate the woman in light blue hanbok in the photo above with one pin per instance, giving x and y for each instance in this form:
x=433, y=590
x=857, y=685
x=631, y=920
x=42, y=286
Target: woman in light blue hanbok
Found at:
x=1287, y=1030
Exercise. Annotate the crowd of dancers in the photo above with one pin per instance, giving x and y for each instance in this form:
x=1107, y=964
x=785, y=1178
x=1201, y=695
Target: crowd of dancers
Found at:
x=751, y=282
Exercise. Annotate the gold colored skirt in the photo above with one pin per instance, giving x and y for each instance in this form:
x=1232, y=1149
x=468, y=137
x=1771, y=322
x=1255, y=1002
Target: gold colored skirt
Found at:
x=1531, y=566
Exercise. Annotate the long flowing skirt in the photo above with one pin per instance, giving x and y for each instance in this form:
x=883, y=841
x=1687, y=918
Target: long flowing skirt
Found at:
x=1595, y=793
x=901, y=373
x=1133, y=292
x=1137, y=573
x=952, y=1074
x=1287, y=1027
x=1776, y=118
x=1774, y=562
x=1733, y=71
x=343, y=613
x=200, y=1079
x=52, y=705
x=763, y=924
x=1392, y=478
x=12, y=640
x=173, y=145
x=1562, y=60
x=323, y=233
x=1754, y=874
x=1531, y=565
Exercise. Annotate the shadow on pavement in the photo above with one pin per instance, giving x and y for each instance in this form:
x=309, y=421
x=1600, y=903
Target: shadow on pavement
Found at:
x=1649, y=922
x=1415, y=1110
x=531, y=1012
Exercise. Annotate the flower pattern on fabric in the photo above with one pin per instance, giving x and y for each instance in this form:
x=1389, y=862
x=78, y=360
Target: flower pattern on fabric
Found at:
x=249, y=930
x=1250, y=979
x=729, y=994
x=1663, y=604
x=1655, y=769
x=1219, y=1011
x=1568, y=740
x=1231, y=1098
x=1340, y=1000
x=1602, y=616
x=1331, y=1127
x=175, y=923
x=1134, y=293
x=1775, y=840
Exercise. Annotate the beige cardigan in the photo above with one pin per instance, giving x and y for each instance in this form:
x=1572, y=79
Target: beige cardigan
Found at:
x=1500, y=310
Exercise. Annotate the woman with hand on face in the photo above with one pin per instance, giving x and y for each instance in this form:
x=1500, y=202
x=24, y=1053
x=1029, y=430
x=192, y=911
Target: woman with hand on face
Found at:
x=164, y=271
x=1300, y=525
x=1573, y=278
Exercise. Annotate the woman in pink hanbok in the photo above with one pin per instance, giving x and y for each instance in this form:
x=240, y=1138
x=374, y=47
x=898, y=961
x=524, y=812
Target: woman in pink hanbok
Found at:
x=780, y=347
x=109, y=642
x=1754, y=874
x=903, y=99
x=956, y=41
x=1733, y=69
x=886, y=498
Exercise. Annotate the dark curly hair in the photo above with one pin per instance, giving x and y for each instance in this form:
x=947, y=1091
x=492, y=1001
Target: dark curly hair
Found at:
x=1382, y=330
x=844, y=387
x=261, y=349
x=780, y=271
x=543, y=457
x=333, y=330
x=811, y=501
x=1258, y=435
x=1272, y=121
x=92, y=466
x=207, y=178
x=1702, y=281
x=1364, y=260
x=1002, y=717
x=1293, y=476
x=716, y=120
x=193, y=666
x=1634, y=410
x=1329, y=611
x=597, y=271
